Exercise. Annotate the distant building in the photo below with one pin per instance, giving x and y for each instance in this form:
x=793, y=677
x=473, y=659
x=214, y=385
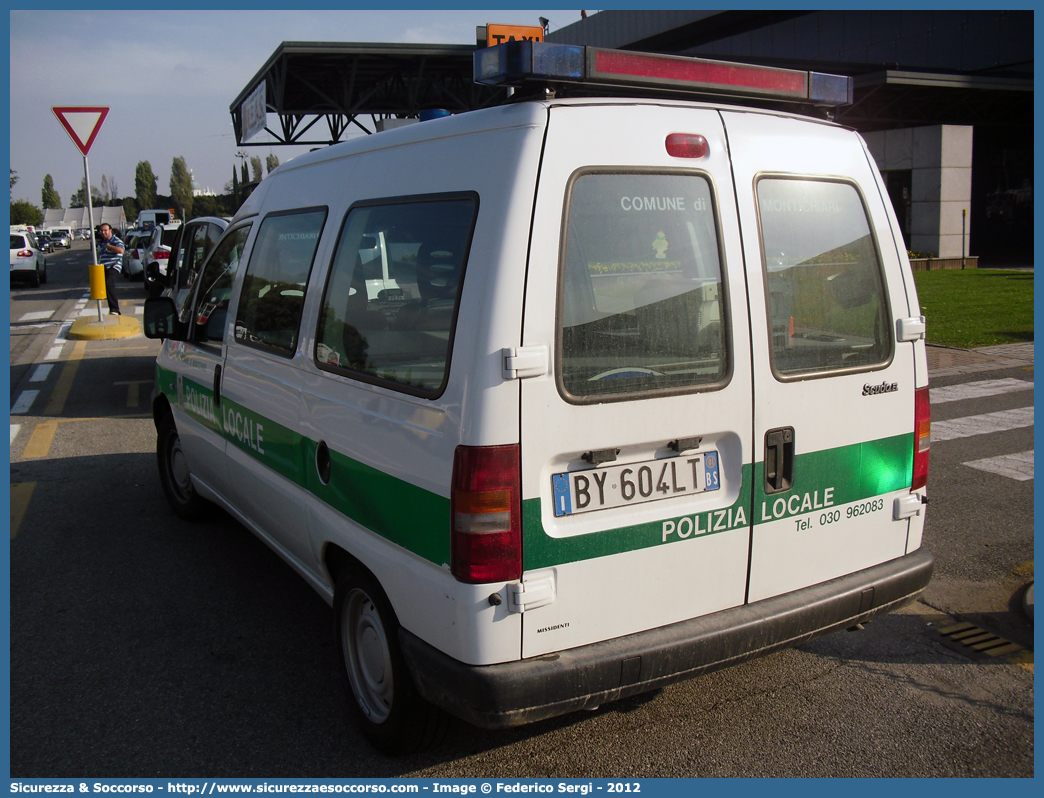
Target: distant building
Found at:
x=78, y=219
x=200, y=192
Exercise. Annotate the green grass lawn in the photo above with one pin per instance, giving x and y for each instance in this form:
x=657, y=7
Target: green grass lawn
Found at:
x=976, y=307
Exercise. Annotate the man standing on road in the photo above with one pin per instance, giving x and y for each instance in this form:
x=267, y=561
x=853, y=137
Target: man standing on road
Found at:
x=110, y=255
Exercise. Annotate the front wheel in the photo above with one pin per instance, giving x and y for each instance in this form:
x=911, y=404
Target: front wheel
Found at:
x=392, y=715
x=174, y=472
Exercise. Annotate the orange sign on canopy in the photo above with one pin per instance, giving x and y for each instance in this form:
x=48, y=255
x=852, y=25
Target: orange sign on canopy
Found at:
x=498, y=34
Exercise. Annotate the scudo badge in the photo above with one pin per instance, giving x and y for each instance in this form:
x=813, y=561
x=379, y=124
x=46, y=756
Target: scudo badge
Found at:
x=884, y=387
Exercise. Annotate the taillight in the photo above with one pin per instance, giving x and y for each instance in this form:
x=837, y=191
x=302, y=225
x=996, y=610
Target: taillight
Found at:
x=922, y=438
x=161, y=255
x=25, y=253
x=686, y=145
x=486, y=514
x=134, y=254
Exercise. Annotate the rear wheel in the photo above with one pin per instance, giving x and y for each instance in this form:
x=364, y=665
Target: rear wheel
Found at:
x=174, y=472
x=43, y=274
x=386, y=704
x=34, y=281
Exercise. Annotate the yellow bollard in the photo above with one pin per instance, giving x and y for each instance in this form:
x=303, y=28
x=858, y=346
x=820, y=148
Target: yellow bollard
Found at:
x=96, y=272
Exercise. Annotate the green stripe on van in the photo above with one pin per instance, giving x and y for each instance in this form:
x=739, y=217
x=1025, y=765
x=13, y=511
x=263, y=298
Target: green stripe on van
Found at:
x=403, y=513
x=419, y=520
x=833, y=477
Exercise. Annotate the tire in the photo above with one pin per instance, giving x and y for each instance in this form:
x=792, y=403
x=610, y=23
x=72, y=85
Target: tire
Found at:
x=43, y=275
x=34, y=281
x=174, y=473
x=386, y=705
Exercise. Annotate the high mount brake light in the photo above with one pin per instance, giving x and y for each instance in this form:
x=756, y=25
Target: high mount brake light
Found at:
x=922, y=438
x=518, y=62
x=686, y=145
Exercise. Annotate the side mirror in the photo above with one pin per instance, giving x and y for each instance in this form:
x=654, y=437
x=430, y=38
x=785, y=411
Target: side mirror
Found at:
x=160, y=319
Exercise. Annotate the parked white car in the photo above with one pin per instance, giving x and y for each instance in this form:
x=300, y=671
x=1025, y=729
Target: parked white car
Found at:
x=134, y=248
x=27, y=259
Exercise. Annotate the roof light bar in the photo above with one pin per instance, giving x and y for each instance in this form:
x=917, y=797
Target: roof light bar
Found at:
x=517, y=62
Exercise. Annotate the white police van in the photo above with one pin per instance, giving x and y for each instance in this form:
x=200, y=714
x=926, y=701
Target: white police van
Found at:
x=567, y=399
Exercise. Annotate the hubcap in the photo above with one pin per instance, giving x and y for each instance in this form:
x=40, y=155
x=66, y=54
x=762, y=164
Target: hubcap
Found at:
x=179, y=471
x=367, y=656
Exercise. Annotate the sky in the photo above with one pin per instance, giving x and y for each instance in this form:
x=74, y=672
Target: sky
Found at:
x=168, y=78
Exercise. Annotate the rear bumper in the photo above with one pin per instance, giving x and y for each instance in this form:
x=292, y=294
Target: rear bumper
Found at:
x=514, y=693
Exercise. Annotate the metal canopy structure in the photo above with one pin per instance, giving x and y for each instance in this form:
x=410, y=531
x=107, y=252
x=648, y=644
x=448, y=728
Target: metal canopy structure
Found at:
x=895, y=98
x=320, y=89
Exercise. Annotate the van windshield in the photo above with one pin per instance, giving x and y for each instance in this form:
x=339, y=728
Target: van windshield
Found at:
x=640, y=307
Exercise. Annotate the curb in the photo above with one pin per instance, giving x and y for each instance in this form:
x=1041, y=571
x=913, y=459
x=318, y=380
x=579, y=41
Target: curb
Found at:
x=109, y=327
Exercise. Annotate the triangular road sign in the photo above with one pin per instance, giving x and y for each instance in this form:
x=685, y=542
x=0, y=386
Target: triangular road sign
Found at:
x=82, y=123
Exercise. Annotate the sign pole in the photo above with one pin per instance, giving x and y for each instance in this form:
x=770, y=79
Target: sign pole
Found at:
x=90, y=221
x=82, y=123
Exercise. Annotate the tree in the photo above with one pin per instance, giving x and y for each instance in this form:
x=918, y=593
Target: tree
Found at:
x=235, y=187
x=105, y=189
x=130, y=208
x=181, y=187
x=49, y=197
x=255, y=168
x=244, y=176
x=79, y=200
x=271, y=162
x=144, y=185
x=24, y=212
x=14, y=179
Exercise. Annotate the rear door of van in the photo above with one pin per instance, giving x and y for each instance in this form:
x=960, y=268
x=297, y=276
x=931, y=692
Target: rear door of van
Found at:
x=637, y=442
x=834, y=395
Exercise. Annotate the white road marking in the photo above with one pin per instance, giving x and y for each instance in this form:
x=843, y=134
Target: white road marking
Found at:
x=982, y=424
x=54, y=353
x=41, y=372
x=14, y=432
x=24, y=402
x=139, y=309
x=37, y=315
x=1015, y=466
x=977, y=390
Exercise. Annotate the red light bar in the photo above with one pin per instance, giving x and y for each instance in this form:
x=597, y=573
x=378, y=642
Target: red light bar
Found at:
x=617, y=66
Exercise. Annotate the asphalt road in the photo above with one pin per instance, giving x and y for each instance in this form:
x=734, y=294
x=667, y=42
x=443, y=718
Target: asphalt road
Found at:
x=145, y=646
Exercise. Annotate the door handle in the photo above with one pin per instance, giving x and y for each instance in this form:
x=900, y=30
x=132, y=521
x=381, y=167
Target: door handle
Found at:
x=217, y=385
x=779, y=460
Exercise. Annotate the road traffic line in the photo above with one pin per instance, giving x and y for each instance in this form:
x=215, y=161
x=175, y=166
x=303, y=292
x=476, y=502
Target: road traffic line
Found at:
x=24, y=402
x=37, y=315
x=21, y=493
x=14, y=432
x=55, y=352
x=41, y=372
x=977, y=390
x=1014, y=466
x=982, y=424
x=65, y=380
x=133, y=390
x=39, y=445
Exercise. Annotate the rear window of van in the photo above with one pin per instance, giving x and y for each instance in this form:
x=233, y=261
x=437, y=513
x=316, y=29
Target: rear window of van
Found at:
x=640, y=307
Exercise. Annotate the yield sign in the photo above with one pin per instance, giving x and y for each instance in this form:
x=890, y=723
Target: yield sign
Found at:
x=82, y=123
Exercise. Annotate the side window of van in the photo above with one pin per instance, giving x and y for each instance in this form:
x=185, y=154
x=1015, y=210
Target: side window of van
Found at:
x=391, y=298
x=270, y=305
x=215, y=288
x=827, y=303
x=640, y=308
